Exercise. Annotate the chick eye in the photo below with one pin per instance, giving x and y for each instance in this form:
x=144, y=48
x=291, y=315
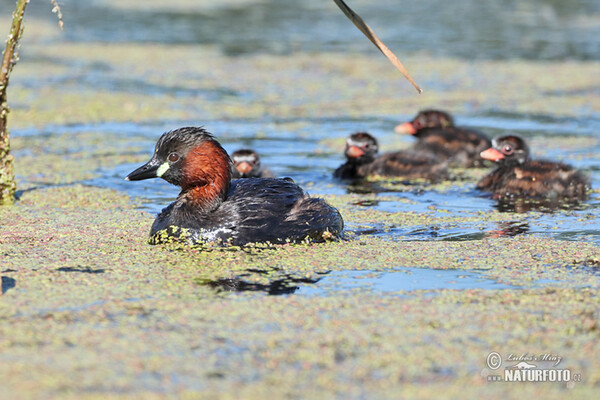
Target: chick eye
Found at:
x=507, y=150
x=173, y=157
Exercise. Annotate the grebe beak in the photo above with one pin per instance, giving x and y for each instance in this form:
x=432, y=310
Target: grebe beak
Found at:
x=354, y=152
x=405, y=128
x=491, y=154
x=244, y=167
x=152, y=169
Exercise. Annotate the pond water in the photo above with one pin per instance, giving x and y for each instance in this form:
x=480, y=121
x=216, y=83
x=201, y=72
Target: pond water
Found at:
x=531, y=29
x=402, y=279
x=395, y=280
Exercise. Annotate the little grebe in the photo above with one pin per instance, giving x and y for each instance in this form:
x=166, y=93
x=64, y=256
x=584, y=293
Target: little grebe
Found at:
x=212, y=208
x=361, y=151
x=247, y=165
x=436, y=133
x=518, y=176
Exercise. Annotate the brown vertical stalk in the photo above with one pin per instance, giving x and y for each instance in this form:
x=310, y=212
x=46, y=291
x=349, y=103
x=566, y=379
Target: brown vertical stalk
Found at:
x=8, y=185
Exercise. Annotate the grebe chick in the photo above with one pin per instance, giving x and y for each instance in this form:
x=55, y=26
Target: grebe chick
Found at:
x=247, y=165
x=436, y=133
x=518, y=176
x=362, y=161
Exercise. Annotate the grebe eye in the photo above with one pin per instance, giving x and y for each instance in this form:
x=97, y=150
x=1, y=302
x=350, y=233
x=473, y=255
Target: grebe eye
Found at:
x=507, y=150
x=173, y=157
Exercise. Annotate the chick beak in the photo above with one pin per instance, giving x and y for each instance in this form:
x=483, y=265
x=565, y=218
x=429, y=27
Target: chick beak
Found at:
x=406, y=128
x=354, y=152
x=244, y=167
x=146, y=171
x=491, y=154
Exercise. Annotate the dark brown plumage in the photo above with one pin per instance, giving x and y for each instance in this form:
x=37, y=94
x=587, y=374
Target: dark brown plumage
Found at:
x=362, y=161
x=518, y=176
x=437, y=134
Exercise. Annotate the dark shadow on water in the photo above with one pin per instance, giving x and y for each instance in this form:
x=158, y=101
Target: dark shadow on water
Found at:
x=20, y=193
x=280, y=284
x=369, y=187
x=277, y=287
x=363, y=187
x=8, y=283
x=86, y=270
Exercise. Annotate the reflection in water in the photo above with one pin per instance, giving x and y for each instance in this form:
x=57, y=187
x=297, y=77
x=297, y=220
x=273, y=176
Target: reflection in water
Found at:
x=509, y=229
x=364, y=186
x=276, y=287
x=366, y=203
x=522, y=205
x=590, y=265
x=398, y=279
x=273, y=282
x=361, y=186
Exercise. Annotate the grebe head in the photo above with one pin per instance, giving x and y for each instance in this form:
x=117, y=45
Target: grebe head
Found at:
x=361, y=147
x=247, y=162
x=507, y=150
x=190, y=158
x=426, y=119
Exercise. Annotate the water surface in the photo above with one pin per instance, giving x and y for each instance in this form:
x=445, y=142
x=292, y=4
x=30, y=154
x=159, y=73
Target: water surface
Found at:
x=471, y=29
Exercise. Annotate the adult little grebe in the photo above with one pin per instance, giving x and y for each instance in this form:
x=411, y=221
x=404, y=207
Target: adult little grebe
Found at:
x=436, y=133
x=361, y=151
x=518, y=176
x=212, y=208
x=247, y=165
